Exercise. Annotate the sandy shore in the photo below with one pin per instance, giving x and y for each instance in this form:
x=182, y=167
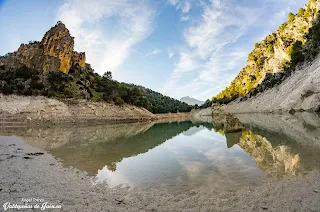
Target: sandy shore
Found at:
x=27, y=173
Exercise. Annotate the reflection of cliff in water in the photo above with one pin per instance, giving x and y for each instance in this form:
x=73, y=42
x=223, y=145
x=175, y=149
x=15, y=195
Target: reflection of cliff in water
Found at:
x=91, y=148
x=275, y=160
x=276, y=152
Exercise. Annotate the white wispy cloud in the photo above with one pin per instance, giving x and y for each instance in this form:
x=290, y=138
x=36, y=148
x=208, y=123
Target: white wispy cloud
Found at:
x=183, y=5
x=221, y=24
x=185, y=18
x=205, y=52
x=106, y=30
x=170, y=54
x=154, y=52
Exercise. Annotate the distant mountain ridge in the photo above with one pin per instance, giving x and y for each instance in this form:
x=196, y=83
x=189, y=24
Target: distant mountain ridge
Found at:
x=191, y=101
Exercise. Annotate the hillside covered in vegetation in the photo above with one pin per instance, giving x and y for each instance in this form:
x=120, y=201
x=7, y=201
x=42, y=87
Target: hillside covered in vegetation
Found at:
x=276, y=57
x=51, y=68
x=158, y=103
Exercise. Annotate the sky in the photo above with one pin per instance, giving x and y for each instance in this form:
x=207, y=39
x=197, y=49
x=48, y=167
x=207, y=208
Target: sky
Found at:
x=176, y=47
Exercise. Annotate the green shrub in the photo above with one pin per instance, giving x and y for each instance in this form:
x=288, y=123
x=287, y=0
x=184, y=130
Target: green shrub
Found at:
x=270, y=49
x=315, y=33
x=7, y=89
x=119, y=101
x=57, y=77
x=301, y=12
x=37, y=85
x=24, y=73
x=52, y=94
x=97, y=97
x=291, y=17
x=295, y=51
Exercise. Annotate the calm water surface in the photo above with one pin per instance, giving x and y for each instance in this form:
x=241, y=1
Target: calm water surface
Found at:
x=185, y=155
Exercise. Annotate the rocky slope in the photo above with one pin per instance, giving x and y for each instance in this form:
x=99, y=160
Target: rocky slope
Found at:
x=31, y=110
x=273, y=61
x=300, y=91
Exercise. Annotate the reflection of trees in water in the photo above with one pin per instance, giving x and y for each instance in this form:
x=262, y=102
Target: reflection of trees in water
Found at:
x=94, y=156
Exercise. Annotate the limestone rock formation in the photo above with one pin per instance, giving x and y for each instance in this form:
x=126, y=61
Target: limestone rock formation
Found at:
x=54, y=53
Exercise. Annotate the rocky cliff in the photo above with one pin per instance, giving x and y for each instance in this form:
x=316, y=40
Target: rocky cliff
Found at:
x=55, y=52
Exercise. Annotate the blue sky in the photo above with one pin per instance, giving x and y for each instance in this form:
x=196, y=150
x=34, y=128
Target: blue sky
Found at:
x=176, y=47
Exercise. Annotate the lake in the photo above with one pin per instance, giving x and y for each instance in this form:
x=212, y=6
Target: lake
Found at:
x=187, y=155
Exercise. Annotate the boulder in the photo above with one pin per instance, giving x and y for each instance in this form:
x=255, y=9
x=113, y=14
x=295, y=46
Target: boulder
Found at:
x=292, y=111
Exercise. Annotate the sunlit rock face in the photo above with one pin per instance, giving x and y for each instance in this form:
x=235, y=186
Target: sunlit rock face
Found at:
x=275, y=161
x=58, y=43
x=53, y=53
